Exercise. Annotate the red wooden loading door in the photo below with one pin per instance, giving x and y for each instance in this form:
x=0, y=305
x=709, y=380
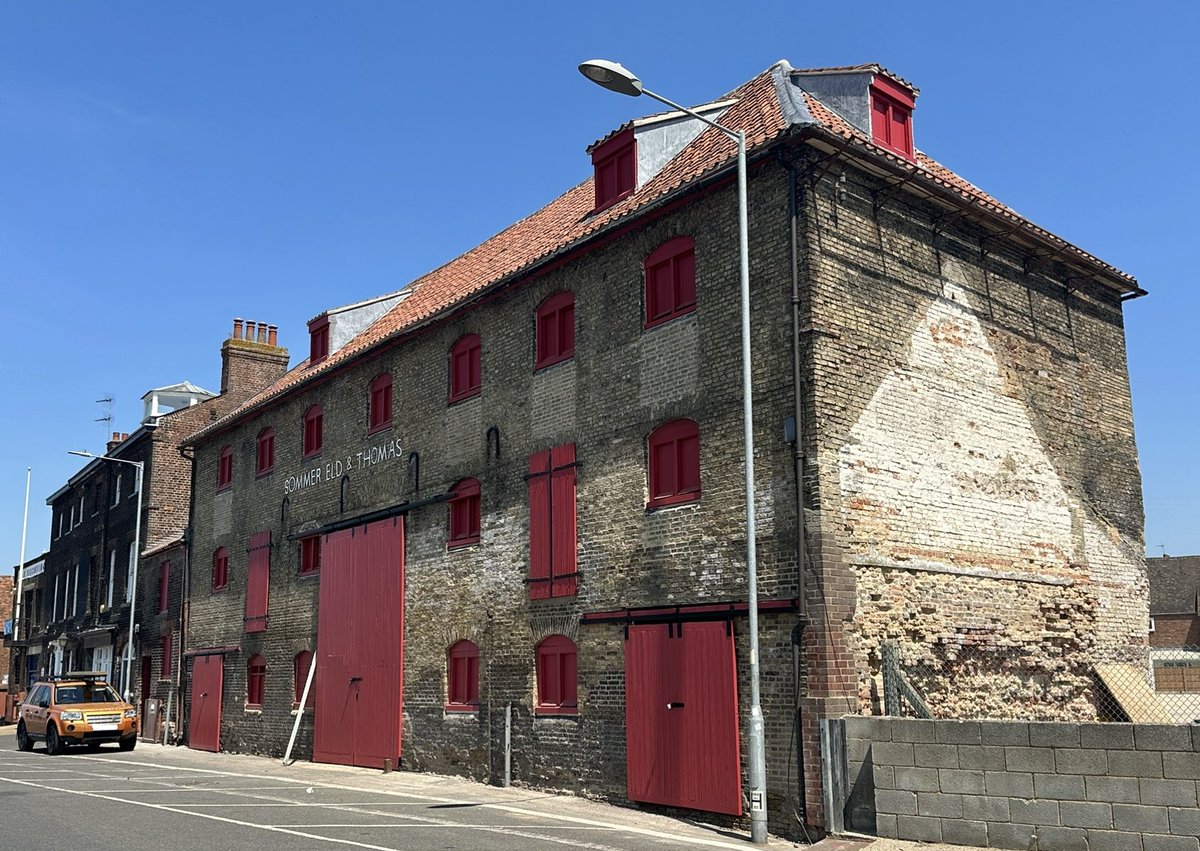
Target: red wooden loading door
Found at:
x=360, y=646
x=204, y=711
x=681, y=716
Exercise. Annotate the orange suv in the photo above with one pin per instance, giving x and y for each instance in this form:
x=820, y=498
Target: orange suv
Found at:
x=75, y=709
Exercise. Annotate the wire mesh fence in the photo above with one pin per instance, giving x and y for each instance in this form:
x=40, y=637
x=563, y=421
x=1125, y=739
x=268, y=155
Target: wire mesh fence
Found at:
x=1144, y=684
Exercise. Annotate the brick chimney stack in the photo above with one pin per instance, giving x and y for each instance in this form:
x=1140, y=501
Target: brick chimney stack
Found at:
x=118, y=437
x=251, y=359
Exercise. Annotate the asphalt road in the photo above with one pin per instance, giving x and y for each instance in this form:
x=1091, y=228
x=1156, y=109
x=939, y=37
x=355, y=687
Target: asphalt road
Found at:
x=173, y=798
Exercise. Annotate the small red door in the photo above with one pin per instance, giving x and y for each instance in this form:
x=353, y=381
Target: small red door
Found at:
x=681, y=716
x=204, y=712
x=360, y=634
x=144, y=694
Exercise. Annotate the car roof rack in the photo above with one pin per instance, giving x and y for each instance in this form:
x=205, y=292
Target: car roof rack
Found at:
x=74, y=676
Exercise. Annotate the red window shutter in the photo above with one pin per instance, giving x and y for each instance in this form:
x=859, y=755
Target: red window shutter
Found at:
x=380, y=402
x=318, y=340
x=266, y=451
x=901, y=128
x=302, y=665
x=464, y=514
x=463, y=676
x=310, y=554
x=465, y=368
x=562, y=513
x=220, y=572
x=555, y=330
x=557, y=676
x=615, y=163
x=225, y=468
x=674, y=463
x=670, y=279
x=313, y=430
x=540, y=551
x=256, y=674
x=164, y=585
x=881, y=120
x=168, y=653
x=258, y=578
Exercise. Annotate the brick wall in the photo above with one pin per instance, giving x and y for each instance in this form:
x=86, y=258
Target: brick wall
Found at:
x=1020, y=785
x=974, y=466
x=6, y=607
x=1176, y=631
x=622, y=383
x=969, y=440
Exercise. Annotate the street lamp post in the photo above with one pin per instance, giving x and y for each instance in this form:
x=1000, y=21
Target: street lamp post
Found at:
x=127, y=665
x=614, y=77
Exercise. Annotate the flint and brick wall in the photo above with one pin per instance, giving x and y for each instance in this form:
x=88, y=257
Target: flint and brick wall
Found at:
x=623, y=382
x=975, y=476
x=1050, y=786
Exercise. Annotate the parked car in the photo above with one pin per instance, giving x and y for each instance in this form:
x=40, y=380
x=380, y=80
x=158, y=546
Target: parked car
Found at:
x=78, y=708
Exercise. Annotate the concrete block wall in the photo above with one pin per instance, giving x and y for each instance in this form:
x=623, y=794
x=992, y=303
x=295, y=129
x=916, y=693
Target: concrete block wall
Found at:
x=1036, y=786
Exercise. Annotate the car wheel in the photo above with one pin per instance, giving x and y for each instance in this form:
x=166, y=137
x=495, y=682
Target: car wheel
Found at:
x=24, y=743
x=128, y=742
x=54, y=745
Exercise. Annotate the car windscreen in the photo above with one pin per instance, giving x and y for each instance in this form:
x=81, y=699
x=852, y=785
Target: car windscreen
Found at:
x=87, y=693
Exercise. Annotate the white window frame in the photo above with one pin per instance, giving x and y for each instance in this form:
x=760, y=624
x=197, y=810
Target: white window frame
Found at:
x=129, y=571
x=54, y=602
x=71, y=525
x=117, y=491
x=80, y=510
x=62, y=516
x=112, y=572
x=133, y=488
x=75, y=595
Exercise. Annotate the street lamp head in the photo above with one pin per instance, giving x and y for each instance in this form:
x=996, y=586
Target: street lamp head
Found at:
x=80, y=453
x=612, y=76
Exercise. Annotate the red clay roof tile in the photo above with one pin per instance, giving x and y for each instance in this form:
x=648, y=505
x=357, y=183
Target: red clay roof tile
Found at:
x=569, y=219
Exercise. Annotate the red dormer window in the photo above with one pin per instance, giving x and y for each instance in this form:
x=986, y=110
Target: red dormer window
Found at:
x=891, y=116
x=318, y=340
x=616, y=168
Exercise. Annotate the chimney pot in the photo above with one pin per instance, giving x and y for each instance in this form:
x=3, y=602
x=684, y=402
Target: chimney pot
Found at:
x=262, y=332
x=116, y=435
x=271, y=334
x=237, y=329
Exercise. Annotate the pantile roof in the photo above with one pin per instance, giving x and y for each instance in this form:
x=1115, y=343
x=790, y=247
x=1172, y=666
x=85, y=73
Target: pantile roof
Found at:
x=765, y=108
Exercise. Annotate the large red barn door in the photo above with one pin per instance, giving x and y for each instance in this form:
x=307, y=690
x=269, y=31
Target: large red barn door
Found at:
x=681, y=716
x=360, y=633
x=204, y=711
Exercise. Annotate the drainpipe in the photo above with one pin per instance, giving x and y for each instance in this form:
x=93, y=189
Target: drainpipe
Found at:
x=185, y=597
x=798, y=464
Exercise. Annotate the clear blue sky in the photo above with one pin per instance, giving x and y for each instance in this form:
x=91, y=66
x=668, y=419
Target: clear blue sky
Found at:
x=167, y=166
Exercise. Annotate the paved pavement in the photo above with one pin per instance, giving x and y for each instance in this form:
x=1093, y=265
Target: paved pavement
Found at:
x=155, y=797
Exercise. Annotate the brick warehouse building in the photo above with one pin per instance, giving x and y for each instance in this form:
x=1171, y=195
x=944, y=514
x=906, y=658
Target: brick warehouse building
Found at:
x=82, y=620
x=514, y=488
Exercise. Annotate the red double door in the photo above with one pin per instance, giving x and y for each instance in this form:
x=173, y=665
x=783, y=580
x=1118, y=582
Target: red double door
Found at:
x=204, y=709
x=360, y=646
x=681, y=716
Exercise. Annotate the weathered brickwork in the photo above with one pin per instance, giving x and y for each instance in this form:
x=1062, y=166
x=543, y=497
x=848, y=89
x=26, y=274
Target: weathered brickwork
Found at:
x=6, y=612
x=971, y=478
x=975, y=464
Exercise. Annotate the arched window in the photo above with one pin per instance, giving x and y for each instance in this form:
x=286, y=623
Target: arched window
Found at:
x=555, y=330
x=462, y=677
x=225, y=468
x=670, y=273
x=464, y=514
x=301, y=666
x=556, y=676
x=256, y=675
x=266, y=451
x=381, y=403
x=465, y=368
x=313, y=427
x=674, y=464
x=220, y=569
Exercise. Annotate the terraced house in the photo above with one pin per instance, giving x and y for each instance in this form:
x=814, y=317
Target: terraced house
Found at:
x=505, y=502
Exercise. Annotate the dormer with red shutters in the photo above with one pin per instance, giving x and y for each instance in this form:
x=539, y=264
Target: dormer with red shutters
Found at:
x=336, y=327
x=870, y=97
x=633, y=154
